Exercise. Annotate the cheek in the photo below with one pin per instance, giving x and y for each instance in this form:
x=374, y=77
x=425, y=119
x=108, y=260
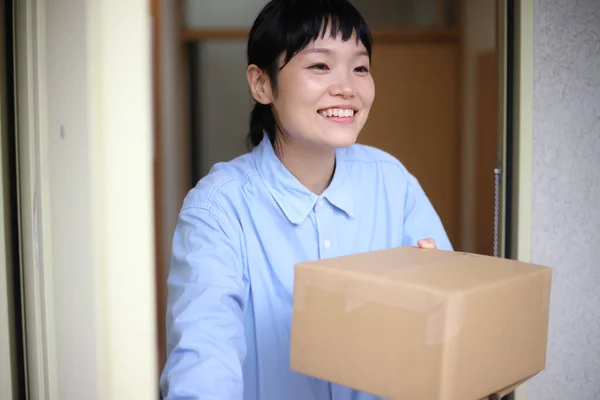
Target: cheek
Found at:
x=303, y=95
x=367, y=92
x=311, y=89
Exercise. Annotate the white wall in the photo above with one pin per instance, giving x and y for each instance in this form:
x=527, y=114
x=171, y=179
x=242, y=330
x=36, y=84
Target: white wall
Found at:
x=225, y=101
x=86, y=156
x=566, y=192
x=221, y=13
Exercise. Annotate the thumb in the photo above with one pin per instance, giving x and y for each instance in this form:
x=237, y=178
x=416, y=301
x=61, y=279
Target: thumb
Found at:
x=426, y=244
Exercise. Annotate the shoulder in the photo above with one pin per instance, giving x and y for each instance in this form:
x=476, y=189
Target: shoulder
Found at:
x=363, y=156
x=222, y=186
x=378, y=166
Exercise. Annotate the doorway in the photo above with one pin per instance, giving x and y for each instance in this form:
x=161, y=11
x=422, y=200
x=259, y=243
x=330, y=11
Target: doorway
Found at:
x=437, y=66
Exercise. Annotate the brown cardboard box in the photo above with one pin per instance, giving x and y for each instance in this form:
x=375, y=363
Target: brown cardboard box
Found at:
x=417, y=324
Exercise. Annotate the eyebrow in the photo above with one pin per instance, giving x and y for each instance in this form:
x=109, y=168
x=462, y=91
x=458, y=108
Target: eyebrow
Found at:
x=322, y=50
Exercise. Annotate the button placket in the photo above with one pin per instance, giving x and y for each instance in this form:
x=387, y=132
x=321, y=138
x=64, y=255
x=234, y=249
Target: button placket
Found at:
x=318, y=228
x=324, y=243
x=321, y=214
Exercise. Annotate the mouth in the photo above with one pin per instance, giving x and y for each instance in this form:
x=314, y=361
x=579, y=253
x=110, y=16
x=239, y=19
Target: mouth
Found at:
x=343, y=114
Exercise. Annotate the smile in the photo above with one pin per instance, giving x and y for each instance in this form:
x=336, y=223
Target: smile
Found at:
x=337, y=112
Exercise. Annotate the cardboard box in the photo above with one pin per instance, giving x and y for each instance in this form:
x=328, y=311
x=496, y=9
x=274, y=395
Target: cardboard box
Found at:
x=417, y=324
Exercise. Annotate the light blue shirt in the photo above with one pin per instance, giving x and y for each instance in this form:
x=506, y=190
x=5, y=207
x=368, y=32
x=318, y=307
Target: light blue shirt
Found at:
x=240, y=232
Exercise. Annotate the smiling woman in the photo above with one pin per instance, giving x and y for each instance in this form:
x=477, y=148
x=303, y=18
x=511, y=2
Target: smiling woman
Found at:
x=313, y=90
x=322, y=68
x=305, y=179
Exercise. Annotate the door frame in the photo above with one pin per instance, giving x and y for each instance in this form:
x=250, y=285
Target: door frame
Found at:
x=123, y=345
x=523, y=129
x=521, y=198
x=11, y=371
x=33, y=187
x=517, y=205
x=515, y=128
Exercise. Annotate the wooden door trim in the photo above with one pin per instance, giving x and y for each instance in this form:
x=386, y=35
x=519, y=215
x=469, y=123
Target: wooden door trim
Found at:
x=167, y=20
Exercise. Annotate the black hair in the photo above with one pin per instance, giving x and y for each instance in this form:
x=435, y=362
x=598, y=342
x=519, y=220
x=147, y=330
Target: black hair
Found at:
x=287, y=27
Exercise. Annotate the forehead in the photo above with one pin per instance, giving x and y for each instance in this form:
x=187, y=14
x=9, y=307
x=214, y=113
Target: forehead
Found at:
x=329, y=44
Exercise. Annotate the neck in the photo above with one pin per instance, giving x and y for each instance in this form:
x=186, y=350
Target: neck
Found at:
x=312, y=166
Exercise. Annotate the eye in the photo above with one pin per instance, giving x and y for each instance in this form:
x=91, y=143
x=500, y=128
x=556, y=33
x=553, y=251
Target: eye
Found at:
x=320, y=67
x=362, y=69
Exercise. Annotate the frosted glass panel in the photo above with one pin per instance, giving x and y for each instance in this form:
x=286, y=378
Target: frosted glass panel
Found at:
x=378, y=13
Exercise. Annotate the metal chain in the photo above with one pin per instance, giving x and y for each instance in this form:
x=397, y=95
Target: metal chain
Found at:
x=497, y=181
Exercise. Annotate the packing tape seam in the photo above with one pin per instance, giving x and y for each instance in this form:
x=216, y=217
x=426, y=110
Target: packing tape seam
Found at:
x=446, y=311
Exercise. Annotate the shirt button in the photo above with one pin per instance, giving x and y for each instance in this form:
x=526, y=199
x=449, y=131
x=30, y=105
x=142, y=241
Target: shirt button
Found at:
x=327, y=244
x=319, y=203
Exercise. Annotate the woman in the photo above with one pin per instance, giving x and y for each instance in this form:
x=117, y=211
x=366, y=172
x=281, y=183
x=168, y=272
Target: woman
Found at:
x=304, y=192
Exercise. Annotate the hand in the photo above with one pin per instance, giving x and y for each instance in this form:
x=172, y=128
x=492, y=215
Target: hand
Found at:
x=426, y=244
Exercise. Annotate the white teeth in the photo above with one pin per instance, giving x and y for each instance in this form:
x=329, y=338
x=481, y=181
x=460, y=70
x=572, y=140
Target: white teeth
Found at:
x=336, y=112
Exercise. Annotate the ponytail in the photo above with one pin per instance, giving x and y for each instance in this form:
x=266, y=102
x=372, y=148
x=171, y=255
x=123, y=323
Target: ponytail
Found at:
x=262, y=121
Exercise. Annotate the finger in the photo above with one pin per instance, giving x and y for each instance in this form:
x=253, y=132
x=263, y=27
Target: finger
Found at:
x=426, y=243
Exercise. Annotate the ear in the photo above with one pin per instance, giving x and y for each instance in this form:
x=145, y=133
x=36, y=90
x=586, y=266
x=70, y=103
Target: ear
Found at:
x=259, y=84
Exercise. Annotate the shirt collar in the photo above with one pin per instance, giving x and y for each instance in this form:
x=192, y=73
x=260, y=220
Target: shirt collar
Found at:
x=295, y=200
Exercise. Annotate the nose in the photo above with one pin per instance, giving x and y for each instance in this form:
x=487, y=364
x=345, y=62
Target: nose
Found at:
x=342, y=89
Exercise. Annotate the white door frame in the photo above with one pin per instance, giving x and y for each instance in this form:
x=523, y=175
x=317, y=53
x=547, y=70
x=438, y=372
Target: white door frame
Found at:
x=523, y=139
x=33, y=199
x=523, y=107
x=8, y=365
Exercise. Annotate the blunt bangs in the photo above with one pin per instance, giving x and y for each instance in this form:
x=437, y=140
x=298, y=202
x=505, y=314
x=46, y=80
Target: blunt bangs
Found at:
x=288, y=26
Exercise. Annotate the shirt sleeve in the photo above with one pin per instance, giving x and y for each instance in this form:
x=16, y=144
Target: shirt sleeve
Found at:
x=206, y=300
x=421, y=221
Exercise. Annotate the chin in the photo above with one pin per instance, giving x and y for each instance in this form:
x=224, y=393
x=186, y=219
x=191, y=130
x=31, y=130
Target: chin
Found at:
x=341, y=139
